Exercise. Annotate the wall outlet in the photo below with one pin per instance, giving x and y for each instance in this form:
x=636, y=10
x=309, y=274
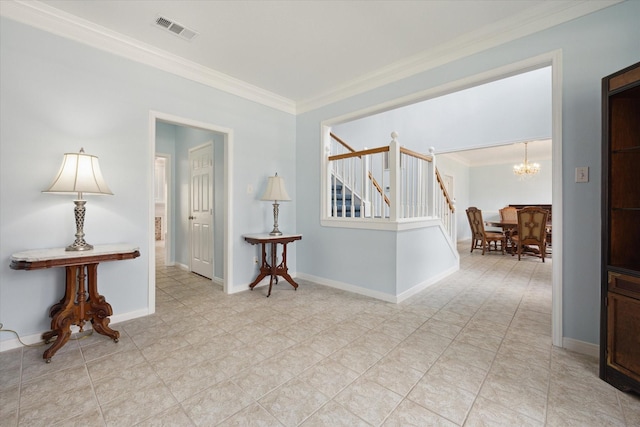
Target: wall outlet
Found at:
x=255, y=260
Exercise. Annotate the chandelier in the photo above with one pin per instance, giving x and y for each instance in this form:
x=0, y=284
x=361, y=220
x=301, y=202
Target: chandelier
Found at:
x=526, y=169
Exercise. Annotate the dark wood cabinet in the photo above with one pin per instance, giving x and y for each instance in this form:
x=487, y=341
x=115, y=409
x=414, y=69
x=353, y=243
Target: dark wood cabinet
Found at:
x=620, y=294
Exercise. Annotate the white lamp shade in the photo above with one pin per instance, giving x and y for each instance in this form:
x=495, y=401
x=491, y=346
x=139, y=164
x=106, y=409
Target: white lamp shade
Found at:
x=275, y=190
x=79, y=173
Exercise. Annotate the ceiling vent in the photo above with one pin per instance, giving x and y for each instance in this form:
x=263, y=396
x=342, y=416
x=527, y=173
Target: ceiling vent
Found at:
x=175, y=28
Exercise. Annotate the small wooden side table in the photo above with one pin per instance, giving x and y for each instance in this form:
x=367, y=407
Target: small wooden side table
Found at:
x=271, y=269
x=77, y=306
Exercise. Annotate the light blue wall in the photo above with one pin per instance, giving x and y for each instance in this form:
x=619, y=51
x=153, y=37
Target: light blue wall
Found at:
x=461, y=181
x=422, y=254
x=59, y=95
x=492, y=187
x=516, y=108
x=592, y=47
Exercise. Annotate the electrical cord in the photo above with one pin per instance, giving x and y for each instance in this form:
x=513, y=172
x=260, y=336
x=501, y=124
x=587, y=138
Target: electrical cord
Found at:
x=43, y=342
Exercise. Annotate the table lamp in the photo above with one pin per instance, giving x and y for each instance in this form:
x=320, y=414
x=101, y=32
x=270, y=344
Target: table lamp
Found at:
x=80, y=173
x=277, y=192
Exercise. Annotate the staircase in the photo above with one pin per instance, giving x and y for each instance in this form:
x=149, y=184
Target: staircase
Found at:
x=343, y=196
x=364, y=183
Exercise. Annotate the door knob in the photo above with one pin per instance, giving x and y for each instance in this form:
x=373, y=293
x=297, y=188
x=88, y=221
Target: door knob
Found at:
x=192, y=217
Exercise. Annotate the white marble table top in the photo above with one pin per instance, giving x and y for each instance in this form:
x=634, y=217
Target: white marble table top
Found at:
x=60, y=253
x=267, y=236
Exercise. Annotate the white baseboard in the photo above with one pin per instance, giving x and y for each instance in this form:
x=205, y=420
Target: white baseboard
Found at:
x=581, y=347
x=424, y=285
x=348, y=287
x=118, y=318
x=12, y=343
x=36, y=338
x=377, y=294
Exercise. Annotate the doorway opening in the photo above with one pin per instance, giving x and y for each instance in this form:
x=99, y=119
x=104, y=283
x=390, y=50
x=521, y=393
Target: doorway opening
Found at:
x=376, y=129
x=171, y=137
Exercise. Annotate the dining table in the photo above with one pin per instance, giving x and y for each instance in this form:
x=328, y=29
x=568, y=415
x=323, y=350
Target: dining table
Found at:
x=508, y=226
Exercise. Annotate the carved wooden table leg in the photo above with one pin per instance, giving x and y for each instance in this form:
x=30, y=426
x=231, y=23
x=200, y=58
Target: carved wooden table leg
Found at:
x=265, y=269
x=81, y=302
x=100, y=309
x=272, y=269
x=283, y=270
x=64, y=315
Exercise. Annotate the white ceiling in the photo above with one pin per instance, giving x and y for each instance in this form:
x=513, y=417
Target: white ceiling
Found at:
x=303, y=51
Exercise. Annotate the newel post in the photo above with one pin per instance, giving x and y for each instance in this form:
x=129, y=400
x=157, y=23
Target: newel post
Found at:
x=394, y=178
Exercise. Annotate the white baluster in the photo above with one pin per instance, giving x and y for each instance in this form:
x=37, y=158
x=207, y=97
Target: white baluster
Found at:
x=394, y=178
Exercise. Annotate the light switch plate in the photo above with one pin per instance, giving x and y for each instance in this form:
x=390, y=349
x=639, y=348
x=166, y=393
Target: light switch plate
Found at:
x=582, y=174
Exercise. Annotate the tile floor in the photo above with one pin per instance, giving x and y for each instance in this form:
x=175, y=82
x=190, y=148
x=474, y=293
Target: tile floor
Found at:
x=473, y=350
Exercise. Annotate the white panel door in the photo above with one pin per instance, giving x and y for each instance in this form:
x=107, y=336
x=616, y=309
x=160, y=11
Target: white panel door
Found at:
x=201, y=210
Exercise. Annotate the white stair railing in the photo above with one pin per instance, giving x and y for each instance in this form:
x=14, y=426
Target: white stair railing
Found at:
x=392, y=183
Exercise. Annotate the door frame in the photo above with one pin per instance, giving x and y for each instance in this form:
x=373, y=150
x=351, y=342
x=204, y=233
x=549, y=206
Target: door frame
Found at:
x=167, y=210
x=154, y=117
x=552, y=59
x=212, y=202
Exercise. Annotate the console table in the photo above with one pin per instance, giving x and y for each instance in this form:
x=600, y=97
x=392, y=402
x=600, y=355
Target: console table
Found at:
x=271, y=269
x=81, y=302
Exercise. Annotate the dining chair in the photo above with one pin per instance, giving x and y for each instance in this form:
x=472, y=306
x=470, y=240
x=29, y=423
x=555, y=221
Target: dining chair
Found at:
x=509, y=214
x=480, y=238
x=532, y=230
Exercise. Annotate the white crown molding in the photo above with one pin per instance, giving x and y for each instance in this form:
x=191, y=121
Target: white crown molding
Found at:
x=457, y=158
x=44, y=17
x=55, y=21
x=545, y=16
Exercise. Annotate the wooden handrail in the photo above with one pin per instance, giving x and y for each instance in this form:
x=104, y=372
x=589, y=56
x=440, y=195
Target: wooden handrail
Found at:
x=353, y=153
x=415, y=154
x=358, y=153
x=344, y=144
x=444, y=191
x=375, y=184
x=372, y=151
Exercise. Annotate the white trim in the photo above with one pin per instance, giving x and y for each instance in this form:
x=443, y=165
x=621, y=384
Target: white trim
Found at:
x=380, y=224
x=531, y=21
x=489, y=76
x=546, y=15
x=557, y=330
x=429, y=282
x=169, y=199
x=154, y=116
x=182, y=267
x=377, y=294
x=581, y=347
x=553, y=59
x=14, y=343
x=66, y=25
x=348, y=287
